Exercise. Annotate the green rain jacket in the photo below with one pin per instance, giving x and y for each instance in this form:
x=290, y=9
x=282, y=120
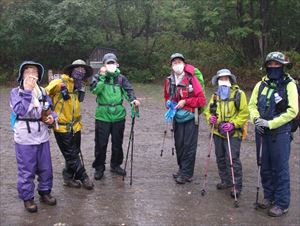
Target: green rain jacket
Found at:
x=111, y=89
x=227, y=111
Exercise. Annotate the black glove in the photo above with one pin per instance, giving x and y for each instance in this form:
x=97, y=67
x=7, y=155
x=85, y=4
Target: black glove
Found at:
x=94, y=81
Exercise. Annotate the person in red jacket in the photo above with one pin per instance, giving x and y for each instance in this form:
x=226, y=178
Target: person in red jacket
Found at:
x=183, y=92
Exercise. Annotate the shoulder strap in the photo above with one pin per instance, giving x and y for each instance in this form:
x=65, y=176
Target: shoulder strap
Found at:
x=171, y=86
x=213, y=105
x=44, y=95
x=261, y=87
x=237, y=99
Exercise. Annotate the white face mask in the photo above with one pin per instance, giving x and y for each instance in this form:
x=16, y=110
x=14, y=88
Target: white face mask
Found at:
x=224, y=83
x=111, y=68
x=178, y=68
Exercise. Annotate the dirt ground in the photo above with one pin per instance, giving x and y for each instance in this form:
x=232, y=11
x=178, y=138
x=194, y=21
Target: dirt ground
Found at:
x=154, y=198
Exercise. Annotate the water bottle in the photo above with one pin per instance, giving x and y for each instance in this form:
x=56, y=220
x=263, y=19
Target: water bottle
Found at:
x=277, y=98
x=81, y=94
x=190, y=88
x=64, y=91
x=45, y=111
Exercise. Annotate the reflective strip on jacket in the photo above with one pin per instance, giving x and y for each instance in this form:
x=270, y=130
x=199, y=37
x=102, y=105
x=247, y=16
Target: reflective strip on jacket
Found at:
x=282, y=119
x=68, y=111
x=227, y=112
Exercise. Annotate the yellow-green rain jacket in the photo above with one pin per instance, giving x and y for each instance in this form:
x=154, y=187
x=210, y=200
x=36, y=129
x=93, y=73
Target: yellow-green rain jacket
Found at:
x=282, y=119
x=68, y=112
x=227, y=112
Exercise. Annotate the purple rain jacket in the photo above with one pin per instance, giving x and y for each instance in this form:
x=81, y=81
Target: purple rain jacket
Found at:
x=20, y=102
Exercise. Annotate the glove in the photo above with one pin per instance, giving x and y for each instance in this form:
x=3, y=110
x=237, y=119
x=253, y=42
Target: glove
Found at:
x=94, y=81
x=171, y=112
x=260, y=130
x=227, y=127
x=171, y=104
x=261, y=123
x=213, y=119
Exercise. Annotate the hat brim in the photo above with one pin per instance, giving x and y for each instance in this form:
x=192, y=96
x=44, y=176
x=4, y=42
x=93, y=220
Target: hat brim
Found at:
x=69, y=68
x=178, y=57
x=110, y=60
x=40, y=68
x=288, y=64
x=215, y=78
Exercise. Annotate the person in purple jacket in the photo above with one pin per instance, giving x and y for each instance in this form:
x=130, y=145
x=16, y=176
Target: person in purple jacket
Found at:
x=33, y=115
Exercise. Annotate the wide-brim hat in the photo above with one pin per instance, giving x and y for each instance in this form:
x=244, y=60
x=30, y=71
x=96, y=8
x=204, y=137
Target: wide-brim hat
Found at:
x=78, y=63
x=40, y=68
x=222, y=73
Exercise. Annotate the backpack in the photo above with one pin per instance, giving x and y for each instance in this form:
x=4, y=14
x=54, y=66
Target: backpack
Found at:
x=295, y=123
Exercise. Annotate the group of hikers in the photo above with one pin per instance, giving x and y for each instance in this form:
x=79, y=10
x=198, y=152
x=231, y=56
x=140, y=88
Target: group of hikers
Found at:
x=35, y=110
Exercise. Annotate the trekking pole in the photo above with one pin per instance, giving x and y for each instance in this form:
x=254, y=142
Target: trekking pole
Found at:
x=258, y=173
x=134, y=113
x=236, y=203
x=81, y=158
x=203, y=191
x=172, y=134
x=128, y=147
x=131, y=159
x=164, y=138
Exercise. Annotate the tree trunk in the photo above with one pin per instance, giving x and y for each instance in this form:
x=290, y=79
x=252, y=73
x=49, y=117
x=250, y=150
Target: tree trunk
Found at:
x=264, y=6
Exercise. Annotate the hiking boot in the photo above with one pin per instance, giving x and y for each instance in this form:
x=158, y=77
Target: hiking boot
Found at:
x=182, y=179
x=30, y=206
x=238, y=193
x=221, y=186
x=118, y=170
x=48, y=199
x=276, y=211
x=98, y=174
x=175, y=175
x=87, y=183
x=72, y=183
x=266, y=203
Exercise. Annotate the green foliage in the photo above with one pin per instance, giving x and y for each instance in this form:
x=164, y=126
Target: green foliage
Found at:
x=211, y=34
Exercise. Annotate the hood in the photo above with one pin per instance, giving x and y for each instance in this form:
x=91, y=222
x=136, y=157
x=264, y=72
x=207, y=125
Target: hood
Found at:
x=38, y=65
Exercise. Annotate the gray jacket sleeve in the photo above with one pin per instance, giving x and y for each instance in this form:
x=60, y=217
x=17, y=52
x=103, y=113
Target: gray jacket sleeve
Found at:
x=125, y=84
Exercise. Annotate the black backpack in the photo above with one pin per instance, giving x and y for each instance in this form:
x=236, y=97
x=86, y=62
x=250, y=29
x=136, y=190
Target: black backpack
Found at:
x=296, y=121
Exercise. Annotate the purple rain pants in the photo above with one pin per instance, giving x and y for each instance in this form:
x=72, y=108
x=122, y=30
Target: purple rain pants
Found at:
x=31, y=160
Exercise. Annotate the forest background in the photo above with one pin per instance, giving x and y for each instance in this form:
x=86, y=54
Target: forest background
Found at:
x=212, y=34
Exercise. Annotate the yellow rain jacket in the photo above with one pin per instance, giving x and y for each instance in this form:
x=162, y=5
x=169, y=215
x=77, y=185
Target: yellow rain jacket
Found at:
x=227, y=111
x=68, y=111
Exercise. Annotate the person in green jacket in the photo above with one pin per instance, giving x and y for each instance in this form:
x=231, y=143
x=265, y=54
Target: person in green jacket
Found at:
x=273, y=105
x=111, y=87
x=227, y=112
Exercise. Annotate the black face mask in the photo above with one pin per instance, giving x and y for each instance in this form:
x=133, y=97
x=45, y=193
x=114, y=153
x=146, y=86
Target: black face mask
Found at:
x=275, y=73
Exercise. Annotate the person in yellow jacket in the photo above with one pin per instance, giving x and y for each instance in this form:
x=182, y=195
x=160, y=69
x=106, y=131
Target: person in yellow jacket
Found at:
x=227, y=112
x=67, y=93
x=273, y=105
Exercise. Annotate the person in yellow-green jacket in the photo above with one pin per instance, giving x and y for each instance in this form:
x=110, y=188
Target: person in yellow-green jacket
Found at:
x=273, y=105
x=227, y=112
x=66, y=94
